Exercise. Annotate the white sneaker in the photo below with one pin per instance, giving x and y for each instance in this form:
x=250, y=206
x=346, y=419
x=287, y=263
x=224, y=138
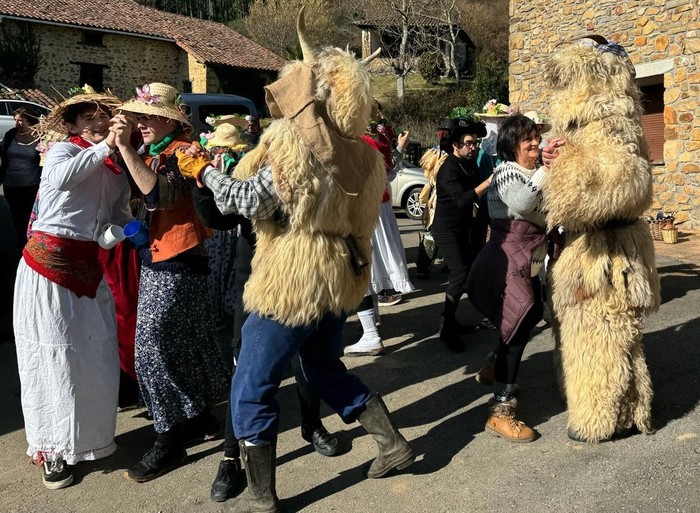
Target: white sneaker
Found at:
x=367, y=346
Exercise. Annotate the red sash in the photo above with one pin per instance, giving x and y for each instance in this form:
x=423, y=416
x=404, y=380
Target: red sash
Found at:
x=70, y=263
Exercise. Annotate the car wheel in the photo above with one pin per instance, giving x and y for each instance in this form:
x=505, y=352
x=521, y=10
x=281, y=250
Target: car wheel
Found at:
x=412, y=205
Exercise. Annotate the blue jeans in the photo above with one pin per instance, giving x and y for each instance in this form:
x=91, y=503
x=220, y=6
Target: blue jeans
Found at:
x=267, y=349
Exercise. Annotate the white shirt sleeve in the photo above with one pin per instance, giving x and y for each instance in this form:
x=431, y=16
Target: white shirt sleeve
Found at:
x=67, y=164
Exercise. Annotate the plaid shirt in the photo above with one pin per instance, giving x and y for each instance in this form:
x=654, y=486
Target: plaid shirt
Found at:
x=254, y=198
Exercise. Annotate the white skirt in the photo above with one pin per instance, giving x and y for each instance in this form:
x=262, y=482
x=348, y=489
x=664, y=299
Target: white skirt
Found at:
x=68, y=368
x=389, y=270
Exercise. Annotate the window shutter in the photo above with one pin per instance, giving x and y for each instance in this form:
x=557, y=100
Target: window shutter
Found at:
x=653, y=126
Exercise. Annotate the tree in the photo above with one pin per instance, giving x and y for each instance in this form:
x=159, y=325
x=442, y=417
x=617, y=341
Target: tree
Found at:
x=20, y=55
x=403, y=34
x=215, y=10
x=272, y=23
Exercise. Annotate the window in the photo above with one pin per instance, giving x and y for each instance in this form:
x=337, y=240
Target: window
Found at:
x=92, y=38
x=92, y=74
x=186, y=86
x=653, y=120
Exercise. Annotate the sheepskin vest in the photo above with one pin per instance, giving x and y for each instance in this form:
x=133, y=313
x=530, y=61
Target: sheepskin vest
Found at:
x=302, y=270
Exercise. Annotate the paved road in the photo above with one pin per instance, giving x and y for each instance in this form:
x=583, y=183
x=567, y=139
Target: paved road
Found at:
x=441, y=410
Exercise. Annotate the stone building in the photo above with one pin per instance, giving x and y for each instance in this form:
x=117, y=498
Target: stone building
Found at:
x=119, y=44
x=662, y=38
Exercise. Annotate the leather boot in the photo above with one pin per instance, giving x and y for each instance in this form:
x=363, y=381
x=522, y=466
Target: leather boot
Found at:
x=502, y=422
x=394, y=451
x=260, y=496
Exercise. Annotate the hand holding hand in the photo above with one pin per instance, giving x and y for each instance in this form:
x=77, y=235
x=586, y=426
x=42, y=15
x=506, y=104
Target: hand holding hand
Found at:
x=119, y=132
x=192, y=161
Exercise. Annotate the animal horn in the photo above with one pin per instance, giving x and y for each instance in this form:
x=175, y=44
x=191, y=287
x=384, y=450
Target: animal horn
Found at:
x=370, y=58
x=306, y=50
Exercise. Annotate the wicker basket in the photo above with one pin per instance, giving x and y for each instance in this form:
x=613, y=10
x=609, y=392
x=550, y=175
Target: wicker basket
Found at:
x=670, y=235
x=655, y=228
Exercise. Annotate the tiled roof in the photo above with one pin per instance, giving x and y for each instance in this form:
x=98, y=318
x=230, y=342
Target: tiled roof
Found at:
x=207, y=41
x=32, y=95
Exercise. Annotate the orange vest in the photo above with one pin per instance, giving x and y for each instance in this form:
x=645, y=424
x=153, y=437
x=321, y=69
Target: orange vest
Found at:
x=176, y=229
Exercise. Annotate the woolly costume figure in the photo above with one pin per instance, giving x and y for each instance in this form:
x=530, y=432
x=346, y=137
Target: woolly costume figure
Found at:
x=313, y=190
x=605, y=280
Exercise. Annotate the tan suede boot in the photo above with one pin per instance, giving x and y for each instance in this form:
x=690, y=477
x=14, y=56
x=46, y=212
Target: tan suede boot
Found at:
x=502, y=423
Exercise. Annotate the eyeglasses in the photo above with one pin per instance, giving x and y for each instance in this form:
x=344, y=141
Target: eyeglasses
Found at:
x=468, y=144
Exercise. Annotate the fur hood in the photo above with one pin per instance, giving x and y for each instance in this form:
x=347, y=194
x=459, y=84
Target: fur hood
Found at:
x=603, y=173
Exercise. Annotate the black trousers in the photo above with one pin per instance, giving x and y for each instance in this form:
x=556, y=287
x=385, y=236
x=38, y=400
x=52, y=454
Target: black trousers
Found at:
x=508, y=356
x=456, y=250
x=309, y=401
x=21, y=200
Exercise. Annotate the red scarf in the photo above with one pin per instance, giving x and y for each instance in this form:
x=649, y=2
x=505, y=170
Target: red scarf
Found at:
x=79, y=141
x=70, y=263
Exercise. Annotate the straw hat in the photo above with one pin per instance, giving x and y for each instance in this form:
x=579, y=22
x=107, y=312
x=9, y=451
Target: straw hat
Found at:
x=539, y=120
x=230, y=119
x=54, y=121
x=157, y=99
x=226, y=135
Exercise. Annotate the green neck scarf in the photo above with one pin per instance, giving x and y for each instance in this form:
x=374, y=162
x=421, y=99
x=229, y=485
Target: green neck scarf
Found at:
x=156, y=149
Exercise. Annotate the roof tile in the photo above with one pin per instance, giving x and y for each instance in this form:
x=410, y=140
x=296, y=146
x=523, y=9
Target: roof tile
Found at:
x=207, y=41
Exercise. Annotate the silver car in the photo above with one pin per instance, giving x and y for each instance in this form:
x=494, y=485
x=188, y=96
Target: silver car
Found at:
x=406, y=188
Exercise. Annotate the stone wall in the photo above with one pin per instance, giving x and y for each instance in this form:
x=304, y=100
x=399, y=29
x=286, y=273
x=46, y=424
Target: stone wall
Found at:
x=128, y=61
x=658, y=34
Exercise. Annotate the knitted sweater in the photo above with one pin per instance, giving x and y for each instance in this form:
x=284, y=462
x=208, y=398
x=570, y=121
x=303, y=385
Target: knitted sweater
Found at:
x=516, y=193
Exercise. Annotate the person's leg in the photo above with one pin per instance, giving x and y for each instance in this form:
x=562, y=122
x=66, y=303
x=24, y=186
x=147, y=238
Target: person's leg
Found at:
x=455, y=251
x=501, y=421
x=312, y=429
x=226, y=483
x=265, y=355
x=371, y=343
x=350, y=397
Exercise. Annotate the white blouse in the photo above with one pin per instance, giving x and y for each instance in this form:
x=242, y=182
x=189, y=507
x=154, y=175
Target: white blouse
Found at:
x=78, y=194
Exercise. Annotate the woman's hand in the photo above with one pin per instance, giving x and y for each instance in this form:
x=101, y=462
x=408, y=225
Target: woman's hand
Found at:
x=119, y=132
x=551, y=151
x=403, y=140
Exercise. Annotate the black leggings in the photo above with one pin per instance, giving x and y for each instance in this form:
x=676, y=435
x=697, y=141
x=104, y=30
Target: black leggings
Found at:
x=508, y=356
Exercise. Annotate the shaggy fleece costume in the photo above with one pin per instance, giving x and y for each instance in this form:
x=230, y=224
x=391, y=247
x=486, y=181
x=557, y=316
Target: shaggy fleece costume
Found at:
x=302, y=271
x=605, y=280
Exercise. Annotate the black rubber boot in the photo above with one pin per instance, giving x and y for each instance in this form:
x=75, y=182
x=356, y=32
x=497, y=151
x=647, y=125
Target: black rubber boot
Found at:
x=394, y=451
x=260, y=496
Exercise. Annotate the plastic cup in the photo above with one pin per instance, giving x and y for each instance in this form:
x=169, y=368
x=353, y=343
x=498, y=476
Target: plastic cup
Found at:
x=111, y=236
x=136, y=232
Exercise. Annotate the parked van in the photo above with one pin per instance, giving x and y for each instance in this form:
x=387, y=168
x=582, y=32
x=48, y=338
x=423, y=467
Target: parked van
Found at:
x=204, y=105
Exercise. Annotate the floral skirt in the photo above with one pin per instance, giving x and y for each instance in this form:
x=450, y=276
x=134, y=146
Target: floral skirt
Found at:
x=221, y=248
x=178, y=360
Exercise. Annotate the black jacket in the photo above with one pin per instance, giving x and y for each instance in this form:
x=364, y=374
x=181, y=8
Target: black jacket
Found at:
x=456, y=181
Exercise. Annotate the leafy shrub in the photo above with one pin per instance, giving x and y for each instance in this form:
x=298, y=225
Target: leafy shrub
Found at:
x=431, y=66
